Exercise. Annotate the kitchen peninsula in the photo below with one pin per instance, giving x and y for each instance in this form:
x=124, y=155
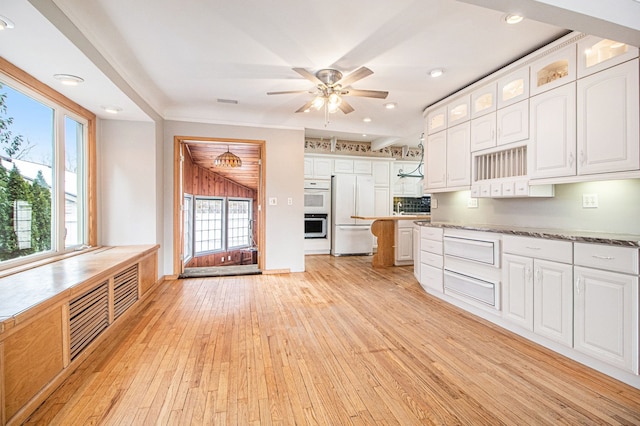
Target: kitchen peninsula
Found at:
x=384, y=228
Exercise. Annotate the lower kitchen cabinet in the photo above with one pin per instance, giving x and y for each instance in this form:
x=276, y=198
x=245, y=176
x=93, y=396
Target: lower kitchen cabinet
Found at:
x=404, y=242
x=538, y=293
x=431, y=259
x=606, y=316
x=606, y=303
x=416, y=251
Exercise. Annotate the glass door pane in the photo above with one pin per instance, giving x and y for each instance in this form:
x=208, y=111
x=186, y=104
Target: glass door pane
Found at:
x=74, y=182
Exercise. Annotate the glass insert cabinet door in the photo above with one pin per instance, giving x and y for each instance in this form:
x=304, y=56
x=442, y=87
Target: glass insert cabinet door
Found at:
x=596, y=54
x=513, y=87
x=553, y=70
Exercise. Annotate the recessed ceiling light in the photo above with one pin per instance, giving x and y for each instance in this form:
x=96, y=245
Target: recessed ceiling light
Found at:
x=367, y=119
x=436, y=72
x=5, y=23
x=111, y=109
x=513, y=18
x=68, y=79
x=390, y=105
x=364, y=135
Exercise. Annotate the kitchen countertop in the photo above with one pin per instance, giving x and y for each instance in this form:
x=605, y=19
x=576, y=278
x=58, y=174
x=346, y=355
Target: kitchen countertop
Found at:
x=628, y=240
x=421, y=217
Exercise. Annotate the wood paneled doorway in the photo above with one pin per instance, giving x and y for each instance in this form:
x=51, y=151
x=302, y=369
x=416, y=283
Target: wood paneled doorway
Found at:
x=196, y=175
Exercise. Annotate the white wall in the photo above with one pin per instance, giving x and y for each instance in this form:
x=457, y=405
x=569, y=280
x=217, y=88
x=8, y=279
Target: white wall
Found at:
x=618, y=212
x=127, y=183
x=284, y=178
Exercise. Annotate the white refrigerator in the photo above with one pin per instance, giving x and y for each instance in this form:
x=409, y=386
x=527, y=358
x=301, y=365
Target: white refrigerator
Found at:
x=351, y=195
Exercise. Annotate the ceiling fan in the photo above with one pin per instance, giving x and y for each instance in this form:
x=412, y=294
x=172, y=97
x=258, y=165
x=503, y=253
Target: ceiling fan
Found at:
x=331, y=86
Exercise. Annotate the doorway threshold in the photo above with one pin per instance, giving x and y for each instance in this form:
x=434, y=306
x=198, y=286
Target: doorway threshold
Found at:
x=220, y=271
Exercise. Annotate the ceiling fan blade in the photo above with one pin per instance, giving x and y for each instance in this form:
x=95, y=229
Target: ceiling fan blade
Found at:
x=305, y=107
x=306, y=74
x=358, y=74
x=286, y=92
x=345, y=107
x=366, y=93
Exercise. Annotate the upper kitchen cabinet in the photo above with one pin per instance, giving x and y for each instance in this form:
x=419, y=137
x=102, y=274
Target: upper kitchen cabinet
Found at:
x=459, y=156
x=381, y=171
x=436, y=154
x=437, y=120
x=608, y=129
x=406, y=186
x=596, y=54
x=346, y=165
x=553, y=70
x=317, y=167
x=483, y=100
x=459, y=110
x=552, y=145
x=513, y=88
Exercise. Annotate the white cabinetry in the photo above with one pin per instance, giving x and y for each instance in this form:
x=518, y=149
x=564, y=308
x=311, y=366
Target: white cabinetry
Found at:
x=382, y=195
x=512, y=123
x=483, y=100
x=406, y=186
x=513, y=87
x=403, y=242
x=436, y=153
x=553, y=70
x=458, y=153
x=596, y=54
x=431, y=260
x=416, y=251
x=317, y=167
x=552, y=145
x=459, y=110
x=437, y=120
x=606, y=304
x=346, y=165
x=608, y=129
x=537, y=289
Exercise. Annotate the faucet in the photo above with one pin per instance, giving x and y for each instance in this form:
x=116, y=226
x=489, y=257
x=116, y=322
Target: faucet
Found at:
x=398, y=205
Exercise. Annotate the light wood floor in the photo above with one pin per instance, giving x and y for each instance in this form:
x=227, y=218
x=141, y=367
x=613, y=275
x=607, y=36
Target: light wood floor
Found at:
x=340, y=344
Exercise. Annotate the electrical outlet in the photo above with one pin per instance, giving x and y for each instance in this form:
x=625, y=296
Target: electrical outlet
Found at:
x=222, y=260
x=434, y=203
x=290, y=201
x=589, y=201
x=472, y=203
x=273, y=201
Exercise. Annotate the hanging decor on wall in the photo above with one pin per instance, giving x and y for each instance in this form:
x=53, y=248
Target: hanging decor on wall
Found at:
x=227, y=159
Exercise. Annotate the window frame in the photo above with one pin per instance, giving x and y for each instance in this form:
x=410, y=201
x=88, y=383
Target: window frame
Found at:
x=62, y=106
x=189, y=217
x=225, y=224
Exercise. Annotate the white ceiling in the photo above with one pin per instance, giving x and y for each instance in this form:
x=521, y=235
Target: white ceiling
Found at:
x=177, y=58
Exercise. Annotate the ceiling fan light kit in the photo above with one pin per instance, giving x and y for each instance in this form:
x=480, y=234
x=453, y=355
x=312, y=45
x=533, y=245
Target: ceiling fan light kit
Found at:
x=331, y=87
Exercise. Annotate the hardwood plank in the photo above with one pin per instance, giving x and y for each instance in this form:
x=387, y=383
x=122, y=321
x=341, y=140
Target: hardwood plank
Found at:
x=342, y=343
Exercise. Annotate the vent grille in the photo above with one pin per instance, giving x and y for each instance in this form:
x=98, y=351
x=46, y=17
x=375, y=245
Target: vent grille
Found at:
x=125, y=286
x=88, y=317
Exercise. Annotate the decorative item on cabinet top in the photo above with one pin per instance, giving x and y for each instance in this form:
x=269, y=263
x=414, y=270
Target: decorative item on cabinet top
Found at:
x=343, y=147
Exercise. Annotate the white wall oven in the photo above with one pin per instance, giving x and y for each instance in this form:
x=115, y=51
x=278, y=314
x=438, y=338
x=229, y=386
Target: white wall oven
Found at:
x=315, y=225
x=317, y=196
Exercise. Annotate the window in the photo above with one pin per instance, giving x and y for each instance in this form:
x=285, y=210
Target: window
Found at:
x=208, y=225
x=238, y=223
x=221, y=224
x=187, y=215
x=43, y=171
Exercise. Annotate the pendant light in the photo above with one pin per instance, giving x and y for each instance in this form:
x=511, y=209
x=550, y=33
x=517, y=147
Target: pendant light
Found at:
x=227, y=159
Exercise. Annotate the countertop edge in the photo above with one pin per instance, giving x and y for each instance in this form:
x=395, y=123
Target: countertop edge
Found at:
x=574, y=236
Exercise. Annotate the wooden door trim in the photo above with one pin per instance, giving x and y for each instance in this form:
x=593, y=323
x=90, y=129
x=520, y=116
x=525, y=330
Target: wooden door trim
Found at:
x=178, y=194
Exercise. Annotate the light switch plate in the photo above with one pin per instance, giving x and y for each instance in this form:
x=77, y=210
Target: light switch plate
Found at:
x=273, y=201
x=472, y=203
x=434, y=203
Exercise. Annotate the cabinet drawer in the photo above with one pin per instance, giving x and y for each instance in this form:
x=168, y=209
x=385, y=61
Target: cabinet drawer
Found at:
x=557, y=251
x=431, y=233
x=431, y=259
x=432, y=246
x=610, y=258
x=430, y=277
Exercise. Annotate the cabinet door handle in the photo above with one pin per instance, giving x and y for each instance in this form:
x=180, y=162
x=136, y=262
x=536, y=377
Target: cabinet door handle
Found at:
x=537, y=276
x=571, y=159
x=595, y=256
x=533, y=248
x=578, y=282
x=527, y=273
x=581, y=157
